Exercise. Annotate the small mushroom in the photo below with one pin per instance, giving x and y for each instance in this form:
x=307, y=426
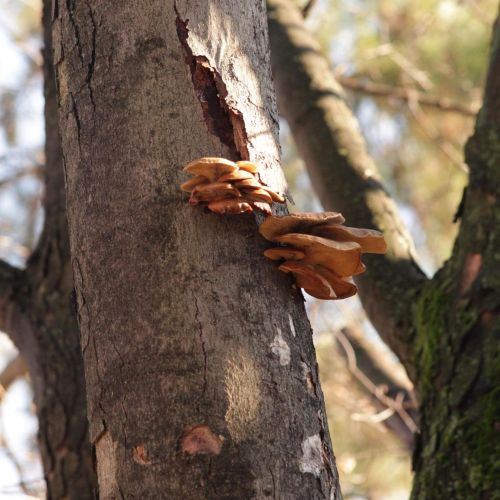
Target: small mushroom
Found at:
x=230, y=206
x=275, y=196
x=262, y=206
x=249, y=184
x=237, y=175
x=258, y=195
x=248, y=166
x=370, y=240
x=212, y=191
x=294, y=223
x=308, y=279
x=287, y=253
x=211, y=168
x=190, y=184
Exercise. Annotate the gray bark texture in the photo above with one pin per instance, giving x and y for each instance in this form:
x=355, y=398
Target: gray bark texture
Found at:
x=199, y=364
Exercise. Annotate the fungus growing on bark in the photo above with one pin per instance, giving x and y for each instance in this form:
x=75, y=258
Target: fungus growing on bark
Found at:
x=318, y=250
x=323, y=254
x=226, y=187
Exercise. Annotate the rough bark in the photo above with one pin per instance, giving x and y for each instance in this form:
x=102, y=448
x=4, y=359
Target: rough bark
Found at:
x=458, y=331
x=38, y=312
x=200, y=369
x=450, y=324
x=343, y=174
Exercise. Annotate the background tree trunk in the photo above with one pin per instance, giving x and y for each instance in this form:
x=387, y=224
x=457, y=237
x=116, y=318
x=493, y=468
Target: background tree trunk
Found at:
x=446, y=330
x=37, y=310
x=200, y=368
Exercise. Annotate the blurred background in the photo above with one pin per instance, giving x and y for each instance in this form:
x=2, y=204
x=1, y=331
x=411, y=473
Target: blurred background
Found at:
x=413, y=72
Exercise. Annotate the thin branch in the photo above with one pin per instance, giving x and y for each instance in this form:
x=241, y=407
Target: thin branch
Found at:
x=36, y=170
x=343, y=174
x=395, y=404
x=308, y=7
x=406, y=94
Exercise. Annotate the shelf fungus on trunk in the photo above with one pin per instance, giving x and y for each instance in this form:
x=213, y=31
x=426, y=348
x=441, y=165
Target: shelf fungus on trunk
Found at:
x=320, y=252
x=228, y=187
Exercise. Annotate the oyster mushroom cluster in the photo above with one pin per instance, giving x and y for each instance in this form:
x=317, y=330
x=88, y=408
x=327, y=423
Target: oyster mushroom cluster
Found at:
x=228, y=187
x=320, y=252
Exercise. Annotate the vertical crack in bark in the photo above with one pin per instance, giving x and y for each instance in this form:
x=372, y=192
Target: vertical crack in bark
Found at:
x=91, y=65
x=74, y=110
x=203, y=349
x=223, y=120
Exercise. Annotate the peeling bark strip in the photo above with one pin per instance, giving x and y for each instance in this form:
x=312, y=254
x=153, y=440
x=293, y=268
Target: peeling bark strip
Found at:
x=222, y=120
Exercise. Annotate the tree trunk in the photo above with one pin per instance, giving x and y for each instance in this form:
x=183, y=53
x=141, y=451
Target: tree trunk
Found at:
x=37, y=310
x=458, y=331
x=199, y=363
x=445, y=330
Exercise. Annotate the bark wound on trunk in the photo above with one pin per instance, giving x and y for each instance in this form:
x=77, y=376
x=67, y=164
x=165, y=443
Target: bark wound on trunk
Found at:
x=224, y=121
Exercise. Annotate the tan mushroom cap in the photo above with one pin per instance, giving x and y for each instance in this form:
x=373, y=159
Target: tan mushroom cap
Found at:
x=193, y=182
x=343, y=287
x=308, y=279
x=287, y=253
x=211, y=168
x=248, y=166
x=230, y=206
x=342, y=257
x=275, y=196
x=276, y=226
x=258, y=195
x=252, y=183
x=212, y=191
x=237, y=175
x=262, y=206
x=370, y=240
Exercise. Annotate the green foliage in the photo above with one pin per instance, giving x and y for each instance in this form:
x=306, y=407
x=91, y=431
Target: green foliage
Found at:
x=437, y=47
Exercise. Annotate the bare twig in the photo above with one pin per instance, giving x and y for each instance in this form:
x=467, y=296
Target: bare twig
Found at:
x=406, y=94
x=36, y=170
x=308, y=7
x=391, y=410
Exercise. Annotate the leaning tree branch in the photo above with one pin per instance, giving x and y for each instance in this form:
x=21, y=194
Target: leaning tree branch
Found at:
x=343, y=174
x=406, y=94
x=15, y=369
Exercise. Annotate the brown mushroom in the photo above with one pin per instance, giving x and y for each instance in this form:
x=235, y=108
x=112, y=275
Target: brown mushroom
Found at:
x=190, y=184
x=370, y=240
x=230, y=206
x=248, y=166
x=262, y=206
x=212, y=191
x=237, y=175
x=308, y=279
x=342, y=257
x=257, y=195
x=275, y=196
x=211, y=168
x=294, y=223
x=287, y=253
x=249, y=184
